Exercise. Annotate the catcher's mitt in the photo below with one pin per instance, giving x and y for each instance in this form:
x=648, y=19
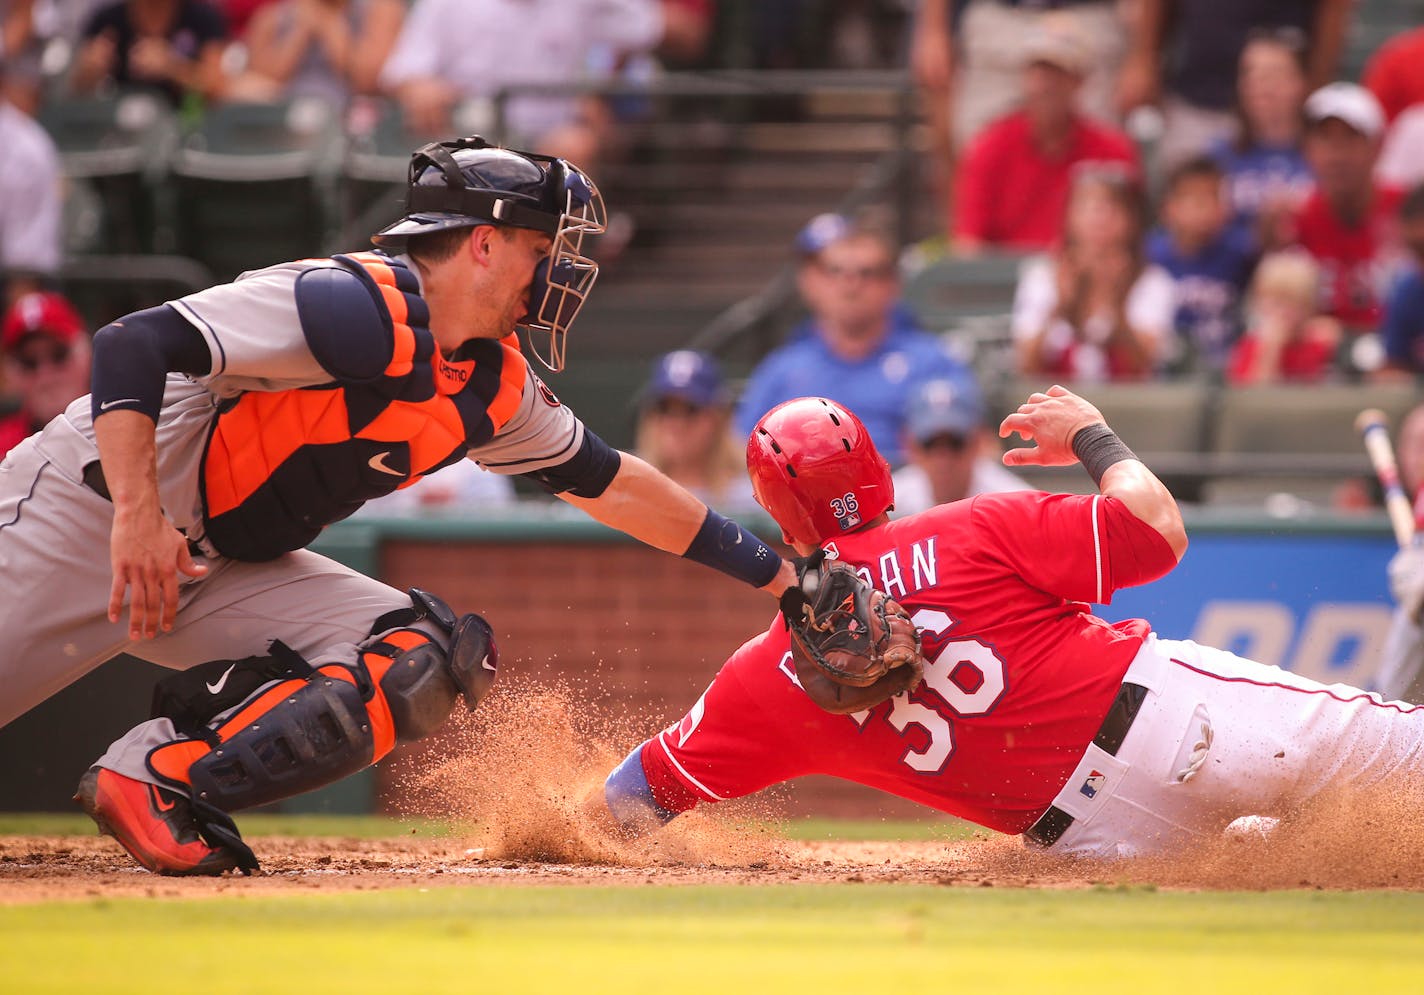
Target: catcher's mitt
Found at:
x=853, y=646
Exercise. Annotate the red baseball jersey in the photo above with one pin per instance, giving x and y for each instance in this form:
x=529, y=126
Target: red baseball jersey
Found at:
x=1019, y=674
x=1358, y=262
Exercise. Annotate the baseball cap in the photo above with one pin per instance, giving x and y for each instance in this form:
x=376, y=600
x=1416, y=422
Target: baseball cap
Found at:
x=1058, y=42
x=1348, y=102
x=944, y=407
x=40, y=313
x=687, y=375
x=821, y=231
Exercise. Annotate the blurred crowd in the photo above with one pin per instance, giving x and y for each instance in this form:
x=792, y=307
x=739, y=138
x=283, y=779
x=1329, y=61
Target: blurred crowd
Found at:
x=1190, y=187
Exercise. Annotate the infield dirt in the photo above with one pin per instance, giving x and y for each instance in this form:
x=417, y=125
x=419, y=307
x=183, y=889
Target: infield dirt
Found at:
x=522, y=781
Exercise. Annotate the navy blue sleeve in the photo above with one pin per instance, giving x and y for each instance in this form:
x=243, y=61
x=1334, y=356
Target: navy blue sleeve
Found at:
x=134, y=355
x=586, y=474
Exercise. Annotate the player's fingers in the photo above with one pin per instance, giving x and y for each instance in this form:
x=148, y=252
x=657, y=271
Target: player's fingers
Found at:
x=138, y=604
x=170, y=601
x=1019, y=423
x=1020, y=457
x=152, y=602
x=1058, y=390
x=116, y=595
x=189, y=566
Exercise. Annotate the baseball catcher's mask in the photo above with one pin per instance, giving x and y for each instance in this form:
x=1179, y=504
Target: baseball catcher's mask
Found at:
x=468, y=182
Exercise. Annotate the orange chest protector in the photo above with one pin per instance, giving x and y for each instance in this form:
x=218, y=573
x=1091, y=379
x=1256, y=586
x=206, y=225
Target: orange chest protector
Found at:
x=282, y=465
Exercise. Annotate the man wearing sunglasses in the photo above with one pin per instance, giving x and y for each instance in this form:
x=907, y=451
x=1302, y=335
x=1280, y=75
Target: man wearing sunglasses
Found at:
x=859, y=345
x=949, y=454
x=46, y=358
x=225, y=430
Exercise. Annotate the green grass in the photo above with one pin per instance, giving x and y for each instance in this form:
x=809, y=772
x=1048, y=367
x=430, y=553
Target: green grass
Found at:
x=808, y=938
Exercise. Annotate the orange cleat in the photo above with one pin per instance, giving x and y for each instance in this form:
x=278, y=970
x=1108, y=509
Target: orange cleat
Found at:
x=156, y=826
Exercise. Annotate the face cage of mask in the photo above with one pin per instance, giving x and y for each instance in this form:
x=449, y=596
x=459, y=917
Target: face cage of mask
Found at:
x=565, y=276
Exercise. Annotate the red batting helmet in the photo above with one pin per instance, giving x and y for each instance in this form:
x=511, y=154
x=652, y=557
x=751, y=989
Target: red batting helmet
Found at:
x=815, y=469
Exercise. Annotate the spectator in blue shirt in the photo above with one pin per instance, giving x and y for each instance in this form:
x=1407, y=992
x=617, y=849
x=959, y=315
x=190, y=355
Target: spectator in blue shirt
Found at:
x=859, y=346
x=1267, y=176
x=1210, y=262
x=1402, y=326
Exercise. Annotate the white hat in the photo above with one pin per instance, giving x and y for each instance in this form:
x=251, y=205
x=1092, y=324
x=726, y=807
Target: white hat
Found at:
x=1348, y=102
x=1058, y=41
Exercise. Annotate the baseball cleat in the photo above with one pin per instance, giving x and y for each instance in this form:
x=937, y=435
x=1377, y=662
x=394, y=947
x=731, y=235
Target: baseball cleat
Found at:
x=155, y=825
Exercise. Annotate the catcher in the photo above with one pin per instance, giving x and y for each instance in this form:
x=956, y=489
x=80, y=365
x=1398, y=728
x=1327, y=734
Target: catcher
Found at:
x=1012, y=705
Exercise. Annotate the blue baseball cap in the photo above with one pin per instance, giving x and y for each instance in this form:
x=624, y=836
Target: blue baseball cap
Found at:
x=944, y=407
x=688, y=375
x=821, y=231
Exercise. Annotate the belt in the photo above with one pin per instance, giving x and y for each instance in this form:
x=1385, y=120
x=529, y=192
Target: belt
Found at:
x=93, y=478
x=1052, y=824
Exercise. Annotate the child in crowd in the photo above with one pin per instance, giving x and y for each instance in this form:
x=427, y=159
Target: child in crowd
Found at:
x=1209, y=260
x=1288, y=339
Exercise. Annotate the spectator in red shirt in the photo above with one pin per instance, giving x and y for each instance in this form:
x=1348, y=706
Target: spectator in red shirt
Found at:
x=1349, y=222
x=1288, y=339
x=1395, y=73
x=46, y=356
x=1013, y=183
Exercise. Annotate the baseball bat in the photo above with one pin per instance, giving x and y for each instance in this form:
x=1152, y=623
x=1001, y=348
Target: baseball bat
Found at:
x=1373, y=427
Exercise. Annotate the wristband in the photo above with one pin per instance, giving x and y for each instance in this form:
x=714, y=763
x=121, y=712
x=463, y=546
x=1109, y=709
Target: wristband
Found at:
x=724, y=545
x=1097, y=448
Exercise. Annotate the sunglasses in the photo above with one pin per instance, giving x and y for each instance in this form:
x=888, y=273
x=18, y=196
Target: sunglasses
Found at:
x=672, y=407
x=31, y=360
x=946, y=442
x=857, y=272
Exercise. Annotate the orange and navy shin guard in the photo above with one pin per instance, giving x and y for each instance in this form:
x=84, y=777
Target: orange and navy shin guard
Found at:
x=298, y=734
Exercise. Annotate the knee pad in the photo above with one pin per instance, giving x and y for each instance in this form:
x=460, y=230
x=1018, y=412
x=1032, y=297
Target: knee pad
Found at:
x=293, y=736
x=305, y=732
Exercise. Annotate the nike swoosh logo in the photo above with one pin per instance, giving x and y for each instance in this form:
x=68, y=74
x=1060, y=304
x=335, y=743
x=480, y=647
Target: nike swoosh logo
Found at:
x=158, y=801
x=106, y=405
x=486, y=664
x=221, y=682
x=378, y=462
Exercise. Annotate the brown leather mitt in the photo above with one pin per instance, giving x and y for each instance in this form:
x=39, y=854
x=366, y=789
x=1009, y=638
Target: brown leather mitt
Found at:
x=853, y=646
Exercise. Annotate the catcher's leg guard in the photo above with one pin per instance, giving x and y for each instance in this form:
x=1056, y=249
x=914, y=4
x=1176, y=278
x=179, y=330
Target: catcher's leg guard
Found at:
x=301, y=733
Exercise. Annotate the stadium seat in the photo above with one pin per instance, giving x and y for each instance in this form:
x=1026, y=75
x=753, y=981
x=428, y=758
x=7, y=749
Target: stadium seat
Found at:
x=1295, y=439
x=950, y=290
x=114, y=151
x=253, y=181
x=104, y=287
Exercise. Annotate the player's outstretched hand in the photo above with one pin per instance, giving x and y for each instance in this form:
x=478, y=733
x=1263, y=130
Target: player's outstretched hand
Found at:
x=1049, y=419
x=147, y=553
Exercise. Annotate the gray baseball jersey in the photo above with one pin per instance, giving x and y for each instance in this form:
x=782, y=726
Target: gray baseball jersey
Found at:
x=54, y=530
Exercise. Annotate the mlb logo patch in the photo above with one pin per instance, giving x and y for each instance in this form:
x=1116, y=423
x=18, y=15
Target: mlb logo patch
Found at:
x=1093, y=784
x=850, y=521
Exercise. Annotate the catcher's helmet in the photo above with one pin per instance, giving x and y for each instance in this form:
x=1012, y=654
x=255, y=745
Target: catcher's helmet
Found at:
x=469, y=182
x=815, y=469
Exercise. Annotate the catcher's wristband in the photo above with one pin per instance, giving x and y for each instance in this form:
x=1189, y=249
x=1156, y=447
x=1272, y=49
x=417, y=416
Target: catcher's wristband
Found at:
x=1097, y=448
x=724, y=545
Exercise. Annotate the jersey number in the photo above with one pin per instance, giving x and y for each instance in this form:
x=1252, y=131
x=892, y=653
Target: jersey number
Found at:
x=963, y=676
